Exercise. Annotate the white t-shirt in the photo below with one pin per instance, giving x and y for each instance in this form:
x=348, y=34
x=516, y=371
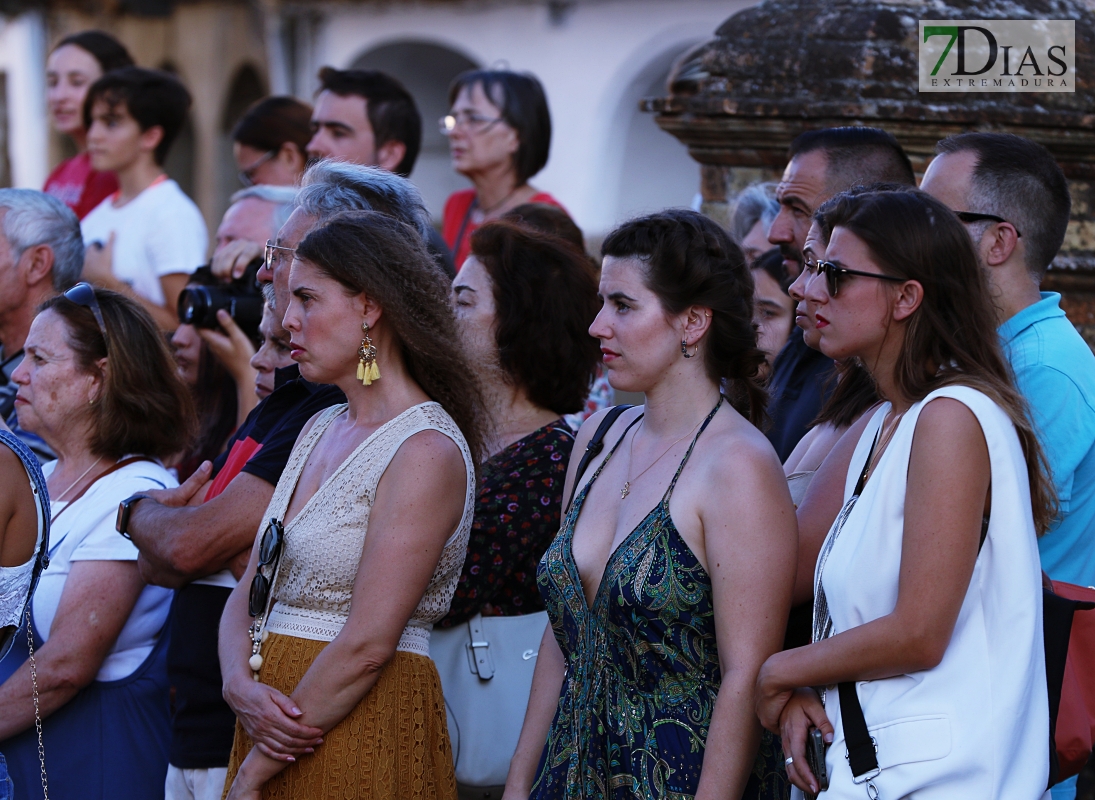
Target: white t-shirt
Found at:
x=159, y=232
x=86, y=532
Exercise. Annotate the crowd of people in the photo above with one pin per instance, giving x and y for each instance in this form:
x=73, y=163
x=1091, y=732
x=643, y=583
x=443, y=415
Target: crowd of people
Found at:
x=242, y=493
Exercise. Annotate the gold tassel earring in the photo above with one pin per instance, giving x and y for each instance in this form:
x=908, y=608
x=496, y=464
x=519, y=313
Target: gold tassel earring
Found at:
x=367, y=369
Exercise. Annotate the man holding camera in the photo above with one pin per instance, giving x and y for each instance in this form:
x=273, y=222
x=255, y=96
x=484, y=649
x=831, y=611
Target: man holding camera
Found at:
x=198, y=537
x=199, y=550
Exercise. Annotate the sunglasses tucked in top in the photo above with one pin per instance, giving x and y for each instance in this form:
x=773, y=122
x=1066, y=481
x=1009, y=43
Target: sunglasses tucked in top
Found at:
x=269, y=552
x=834, y=272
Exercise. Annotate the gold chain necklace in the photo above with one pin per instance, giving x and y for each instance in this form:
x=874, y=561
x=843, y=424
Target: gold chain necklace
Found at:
x=631, y=446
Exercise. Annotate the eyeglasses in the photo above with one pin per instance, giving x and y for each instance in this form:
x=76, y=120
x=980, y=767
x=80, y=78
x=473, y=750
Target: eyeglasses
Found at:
x=975, y=216
x=269, y=552
x=83, y=294
x=272, y=255
x=834, y=272
x=469, y=121
x=247, y=176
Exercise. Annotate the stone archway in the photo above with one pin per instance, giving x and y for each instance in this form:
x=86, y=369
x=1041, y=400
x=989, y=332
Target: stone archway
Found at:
x=426, y=69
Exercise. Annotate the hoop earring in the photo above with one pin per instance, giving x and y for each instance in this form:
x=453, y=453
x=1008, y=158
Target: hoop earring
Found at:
x=684, y=350
x=367, y=370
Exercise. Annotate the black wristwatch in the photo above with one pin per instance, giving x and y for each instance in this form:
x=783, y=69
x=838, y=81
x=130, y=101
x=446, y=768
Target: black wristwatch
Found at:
x=125, y=508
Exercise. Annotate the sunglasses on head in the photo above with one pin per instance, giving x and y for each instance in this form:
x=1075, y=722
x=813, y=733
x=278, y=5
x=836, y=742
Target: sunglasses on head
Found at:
x=83, y=294
x=976, y=216
x=834, y=272
x=269, y=552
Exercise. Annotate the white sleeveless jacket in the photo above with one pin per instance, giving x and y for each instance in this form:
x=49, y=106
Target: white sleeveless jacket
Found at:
x=976, y=725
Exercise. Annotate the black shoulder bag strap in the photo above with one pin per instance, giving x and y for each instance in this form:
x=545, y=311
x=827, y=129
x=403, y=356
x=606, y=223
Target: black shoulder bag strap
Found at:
x=862, y=755
x=595, y=446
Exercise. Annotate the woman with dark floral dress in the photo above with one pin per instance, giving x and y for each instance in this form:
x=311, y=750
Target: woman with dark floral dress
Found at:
x=524, y=301
x=516, y=517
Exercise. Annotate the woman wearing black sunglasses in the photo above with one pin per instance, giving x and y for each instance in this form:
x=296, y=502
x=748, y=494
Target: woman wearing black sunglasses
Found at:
x=324, y=645
x=927, y=628
x=98, y=384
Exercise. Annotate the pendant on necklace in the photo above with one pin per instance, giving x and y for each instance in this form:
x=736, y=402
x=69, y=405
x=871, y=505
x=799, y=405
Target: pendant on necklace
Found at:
x=624, y=492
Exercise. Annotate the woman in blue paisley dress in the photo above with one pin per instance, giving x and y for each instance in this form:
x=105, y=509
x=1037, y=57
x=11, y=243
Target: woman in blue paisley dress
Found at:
x=670, y=581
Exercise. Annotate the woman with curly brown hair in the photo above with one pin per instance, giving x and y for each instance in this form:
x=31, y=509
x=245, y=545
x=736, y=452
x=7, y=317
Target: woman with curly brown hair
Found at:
x=670, y=581
x=366, y=530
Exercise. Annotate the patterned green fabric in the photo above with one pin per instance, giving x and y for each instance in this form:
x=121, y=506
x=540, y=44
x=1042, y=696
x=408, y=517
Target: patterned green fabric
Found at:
x=642, y=668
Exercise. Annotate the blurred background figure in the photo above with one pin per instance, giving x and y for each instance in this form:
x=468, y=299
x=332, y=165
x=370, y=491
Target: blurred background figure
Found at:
x=273, y=353
x=499, y=130
x=270, y=141
x=221, y=380
x=367, y=117
x=99, y=385
x=219, y=321
x=74, y=65
x=145, y=239
x=754, y=210
x=773, y=308
x=41, y=253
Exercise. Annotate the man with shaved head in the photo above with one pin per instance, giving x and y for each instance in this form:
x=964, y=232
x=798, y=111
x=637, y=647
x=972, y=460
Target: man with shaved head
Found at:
x=821, y=164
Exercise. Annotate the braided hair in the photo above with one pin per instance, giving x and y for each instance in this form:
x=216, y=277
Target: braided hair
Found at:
x=691, y=261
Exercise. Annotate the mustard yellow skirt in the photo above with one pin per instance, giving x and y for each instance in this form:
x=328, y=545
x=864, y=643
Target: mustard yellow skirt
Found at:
x=393, y=745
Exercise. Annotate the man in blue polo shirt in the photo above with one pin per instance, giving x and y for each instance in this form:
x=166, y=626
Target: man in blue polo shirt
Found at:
x=1015, y=202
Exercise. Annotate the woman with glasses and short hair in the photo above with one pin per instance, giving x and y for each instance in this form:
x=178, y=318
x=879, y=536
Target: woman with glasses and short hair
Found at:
x=270, y=142
x=328, y=632
x=98, y=383
x=499, y=131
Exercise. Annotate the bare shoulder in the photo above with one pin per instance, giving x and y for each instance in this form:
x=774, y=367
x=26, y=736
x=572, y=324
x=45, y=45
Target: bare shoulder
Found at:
x=945, y=417
x=15, y=485
x=429, y=450
x=733, y=450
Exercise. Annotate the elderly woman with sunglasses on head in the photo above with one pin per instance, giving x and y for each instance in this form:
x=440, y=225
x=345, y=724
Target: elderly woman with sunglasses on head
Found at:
x=99, y=385
x=499, y=130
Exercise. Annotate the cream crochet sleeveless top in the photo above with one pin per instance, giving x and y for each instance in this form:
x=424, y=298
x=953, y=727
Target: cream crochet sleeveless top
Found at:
x=322, y=546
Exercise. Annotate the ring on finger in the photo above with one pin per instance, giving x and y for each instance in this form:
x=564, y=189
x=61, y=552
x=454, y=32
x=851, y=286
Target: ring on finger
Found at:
x=789, y=761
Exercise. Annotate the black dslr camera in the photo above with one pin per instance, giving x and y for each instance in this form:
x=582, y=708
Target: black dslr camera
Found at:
x=204, y=296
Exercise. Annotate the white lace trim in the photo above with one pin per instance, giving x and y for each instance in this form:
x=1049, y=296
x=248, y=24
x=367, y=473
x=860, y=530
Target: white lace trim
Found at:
x=320, y=626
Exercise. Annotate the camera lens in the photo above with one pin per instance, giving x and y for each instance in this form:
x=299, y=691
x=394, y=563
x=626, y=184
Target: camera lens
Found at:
x=196, y=306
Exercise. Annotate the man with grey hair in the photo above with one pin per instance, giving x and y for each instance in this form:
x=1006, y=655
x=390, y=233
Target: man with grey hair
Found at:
x=197, y=538
x=254, y=216
x=41, y=254
x=754, y=210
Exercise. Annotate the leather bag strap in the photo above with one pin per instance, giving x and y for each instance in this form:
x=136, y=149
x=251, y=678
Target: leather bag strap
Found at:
x=862, y=756
x=125, y=462
x=595, y=446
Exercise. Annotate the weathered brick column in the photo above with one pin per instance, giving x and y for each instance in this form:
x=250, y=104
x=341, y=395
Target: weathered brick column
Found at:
x=782, y=67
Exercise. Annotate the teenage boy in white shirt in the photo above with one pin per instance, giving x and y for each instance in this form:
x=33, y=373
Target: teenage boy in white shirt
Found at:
x=146, y=238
